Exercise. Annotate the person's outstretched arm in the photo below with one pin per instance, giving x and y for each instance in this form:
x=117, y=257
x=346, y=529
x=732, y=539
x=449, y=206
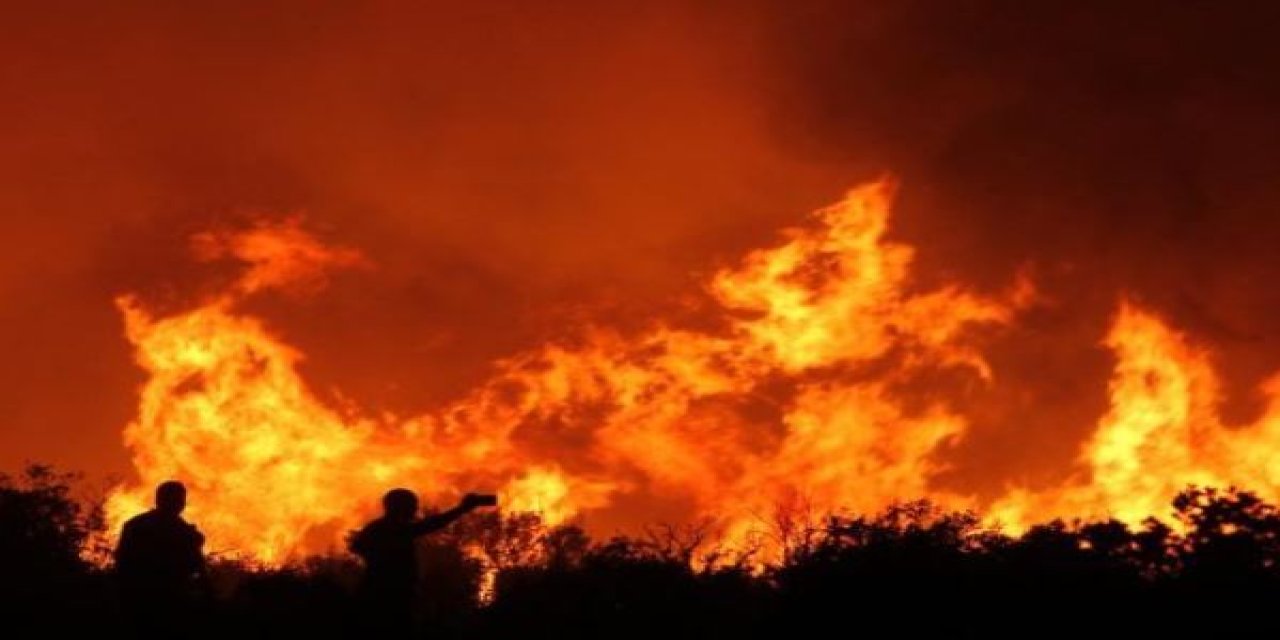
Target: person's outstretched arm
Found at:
x=431, y=524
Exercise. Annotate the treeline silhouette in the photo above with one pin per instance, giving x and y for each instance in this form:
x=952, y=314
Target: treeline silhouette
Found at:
x=910, y=569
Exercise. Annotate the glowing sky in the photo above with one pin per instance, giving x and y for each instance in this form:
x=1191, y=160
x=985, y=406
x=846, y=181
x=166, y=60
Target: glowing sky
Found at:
x=513, y=168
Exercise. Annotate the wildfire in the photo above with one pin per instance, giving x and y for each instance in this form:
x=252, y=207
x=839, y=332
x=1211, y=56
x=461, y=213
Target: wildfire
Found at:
x=797, y=397
x=1161, y=434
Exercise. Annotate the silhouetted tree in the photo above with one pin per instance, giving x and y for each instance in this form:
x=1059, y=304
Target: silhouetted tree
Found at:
x=44, y=535
x=913, y=568
x=42, y=529
x=908, y=554
x=1232, y=537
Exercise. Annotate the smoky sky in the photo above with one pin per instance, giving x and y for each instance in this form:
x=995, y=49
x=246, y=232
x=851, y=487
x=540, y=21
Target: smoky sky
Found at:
x=514, y=169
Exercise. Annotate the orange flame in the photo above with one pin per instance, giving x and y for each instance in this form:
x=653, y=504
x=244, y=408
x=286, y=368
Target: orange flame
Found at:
x=1161, y=434
x=799, y=396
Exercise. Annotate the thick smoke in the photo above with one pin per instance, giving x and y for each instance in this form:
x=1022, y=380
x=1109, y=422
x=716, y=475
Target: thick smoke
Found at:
x=1116, y=147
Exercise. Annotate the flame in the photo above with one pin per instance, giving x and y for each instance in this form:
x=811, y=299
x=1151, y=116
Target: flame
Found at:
x=279, y=255
x=1161, y=434
x=797, y=393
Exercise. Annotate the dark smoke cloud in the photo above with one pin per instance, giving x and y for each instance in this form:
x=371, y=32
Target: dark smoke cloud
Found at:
x=501, y=165
x=1120, y=148
x=514, y=166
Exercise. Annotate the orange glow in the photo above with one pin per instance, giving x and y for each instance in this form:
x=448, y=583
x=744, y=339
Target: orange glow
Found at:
x=664, y=412
x=799, y=396
x=1162, y=433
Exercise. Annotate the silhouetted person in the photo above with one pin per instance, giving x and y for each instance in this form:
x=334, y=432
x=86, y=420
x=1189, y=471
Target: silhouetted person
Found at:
x=391, y=569
x=158, y=560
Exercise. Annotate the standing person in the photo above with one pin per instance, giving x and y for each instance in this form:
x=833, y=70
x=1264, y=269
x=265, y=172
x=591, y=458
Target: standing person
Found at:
x=159, y=560
x=391, y=569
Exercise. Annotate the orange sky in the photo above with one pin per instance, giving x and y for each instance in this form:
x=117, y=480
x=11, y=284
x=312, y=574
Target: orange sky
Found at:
x=512, y=168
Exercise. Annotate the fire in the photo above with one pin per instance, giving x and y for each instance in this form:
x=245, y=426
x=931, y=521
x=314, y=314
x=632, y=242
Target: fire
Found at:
x=225, y=409
x=1162, y=433
x=797, y=394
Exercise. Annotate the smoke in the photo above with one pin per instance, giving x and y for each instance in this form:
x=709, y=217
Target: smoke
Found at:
x=512, y=169
x=1119, y=148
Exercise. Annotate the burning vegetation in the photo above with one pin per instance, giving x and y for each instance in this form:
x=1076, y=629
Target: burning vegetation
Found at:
x=825, y=380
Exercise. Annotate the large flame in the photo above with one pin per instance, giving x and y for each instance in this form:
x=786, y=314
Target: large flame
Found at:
x=1162, y=433
x=800, y=394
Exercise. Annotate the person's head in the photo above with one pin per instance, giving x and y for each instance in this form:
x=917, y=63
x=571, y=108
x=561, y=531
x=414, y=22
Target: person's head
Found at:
x=400, y=504
x=171, y=497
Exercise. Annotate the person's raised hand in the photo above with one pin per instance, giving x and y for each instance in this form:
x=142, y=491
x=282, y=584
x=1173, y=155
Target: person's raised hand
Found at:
x=474, y=500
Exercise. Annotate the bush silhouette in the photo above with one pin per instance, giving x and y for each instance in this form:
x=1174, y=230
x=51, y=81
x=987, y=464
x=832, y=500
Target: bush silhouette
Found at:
x=912, y=568
x=44, y=534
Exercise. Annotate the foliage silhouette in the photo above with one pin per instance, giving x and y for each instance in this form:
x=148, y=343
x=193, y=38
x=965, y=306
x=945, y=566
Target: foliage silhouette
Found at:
x=911, y=568
x=44, y=535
